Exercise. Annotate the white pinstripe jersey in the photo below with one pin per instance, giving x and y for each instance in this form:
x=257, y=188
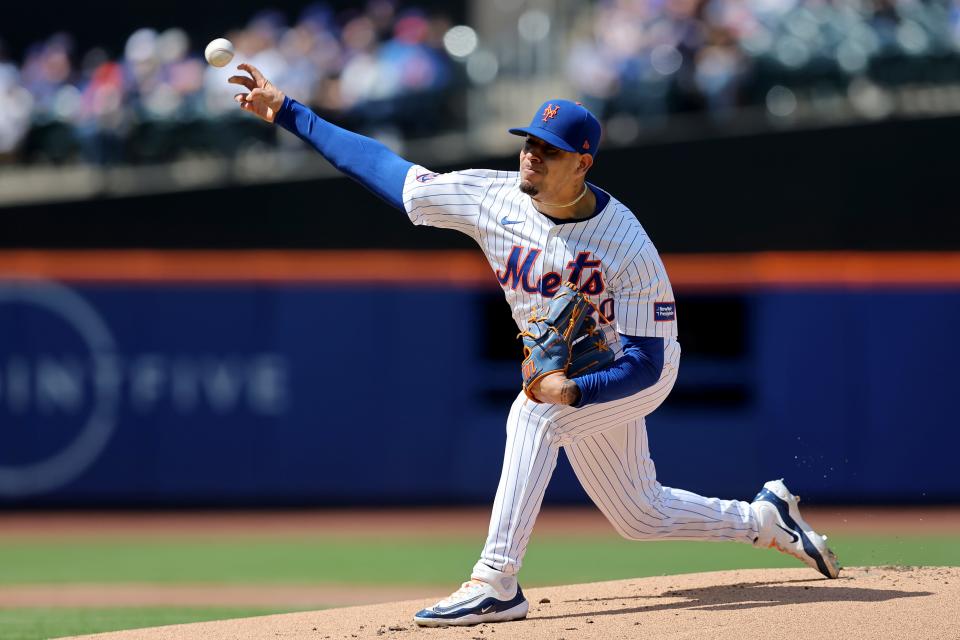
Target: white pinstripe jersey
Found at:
x=609, y=256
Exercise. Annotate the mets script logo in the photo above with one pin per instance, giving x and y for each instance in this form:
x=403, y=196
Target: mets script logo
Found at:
x=426, y=177
x=550, y=112
x=519, y=272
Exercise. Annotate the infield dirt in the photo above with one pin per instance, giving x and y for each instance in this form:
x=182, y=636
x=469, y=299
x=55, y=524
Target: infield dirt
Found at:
x=870, y=602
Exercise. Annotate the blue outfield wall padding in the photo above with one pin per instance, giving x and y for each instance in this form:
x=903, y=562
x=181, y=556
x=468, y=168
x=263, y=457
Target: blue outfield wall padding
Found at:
x=852, y=399
x=870, y=412
x=310, y=394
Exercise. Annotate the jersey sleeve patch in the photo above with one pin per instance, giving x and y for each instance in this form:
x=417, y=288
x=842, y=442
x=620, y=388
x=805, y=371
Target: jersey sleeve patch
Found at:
x=664, y=311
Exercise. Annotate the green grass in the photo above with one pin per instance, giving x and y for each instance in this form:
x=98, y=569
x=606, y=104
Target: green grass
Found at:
x=551, y=560
x=430, y=561
x=39, y=624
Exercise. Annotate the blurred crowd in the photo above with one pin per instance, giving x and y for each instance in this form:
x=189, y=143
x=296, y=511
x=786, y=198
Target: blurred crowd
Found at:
x=387, y=68
x=158, y=99
x=653, y=57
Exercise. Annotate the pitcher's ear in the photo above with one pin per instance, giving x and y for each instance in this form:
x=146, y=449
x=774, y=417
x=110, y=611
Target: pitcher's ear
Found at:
x=586, y=161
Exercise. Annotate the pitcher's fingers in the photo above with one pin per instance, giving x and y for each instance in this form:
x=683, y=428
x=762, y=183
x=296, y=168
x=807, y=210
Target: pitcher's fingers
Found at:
x=240, y=98
x=253, y=71
x=242, y=80
x=254, y=95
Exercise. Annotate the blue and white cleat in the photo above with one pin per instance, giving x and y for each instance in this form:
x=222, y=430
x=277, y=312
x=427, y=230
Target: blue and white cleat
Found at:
x=781, y=526
x=489, y=597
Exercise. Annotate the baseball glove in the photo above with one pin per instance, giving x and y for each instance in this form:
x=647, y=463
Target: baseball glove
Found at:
x=590, y=350
x=563, y=336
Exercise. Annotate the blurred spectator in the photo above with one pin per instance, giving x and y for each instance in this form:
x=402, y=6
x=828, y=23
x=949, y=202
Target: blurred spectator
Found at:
x=15, y=106
x=383, y=69
x=398, y=81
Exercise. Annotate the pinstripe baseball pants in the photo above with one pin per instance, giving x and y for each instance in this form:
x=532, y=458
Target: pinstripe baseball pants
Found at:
x=606, y=444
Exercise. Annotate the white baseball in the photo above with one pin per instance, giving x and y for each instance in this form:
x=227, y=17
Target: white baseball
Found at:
x=219, y=52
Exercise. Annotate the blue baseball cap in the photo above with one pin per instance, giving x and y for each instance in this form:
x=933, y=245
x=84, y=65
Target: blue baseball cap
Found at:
x=566, y=125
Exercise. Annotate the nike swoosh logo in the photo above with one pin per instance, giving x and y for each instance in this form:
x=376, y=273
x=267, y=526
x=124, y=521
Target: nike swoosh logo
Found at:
x=456, y=605
x=790, y=533
x=486, y=609
x=505, y=222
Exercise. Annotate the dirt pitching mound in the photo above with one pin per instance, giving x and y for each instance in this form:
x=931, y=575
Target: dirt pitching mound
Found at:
x=868, y=602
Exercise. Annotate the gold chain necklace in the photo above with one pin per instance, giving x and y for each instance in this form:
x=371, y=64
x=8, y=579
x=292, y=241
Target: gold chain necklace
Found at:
x=569, y=204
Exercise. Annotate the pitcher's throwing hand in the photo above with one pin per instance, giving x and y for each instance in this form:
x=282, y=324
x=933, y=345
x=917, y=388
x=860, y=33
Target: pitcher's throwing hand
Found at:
x=263, y=100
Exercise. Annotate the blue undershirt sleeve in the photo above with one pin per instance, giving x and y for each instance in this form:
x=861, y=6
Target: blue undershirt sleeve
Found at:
x=638, y=368
x=364, y=159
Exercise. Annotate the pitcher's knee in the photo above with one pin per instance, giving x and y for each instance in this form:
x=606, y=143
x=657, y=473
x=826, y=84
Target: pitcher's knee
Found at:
x=638, y=529
x=630, y=531
x=643, y=520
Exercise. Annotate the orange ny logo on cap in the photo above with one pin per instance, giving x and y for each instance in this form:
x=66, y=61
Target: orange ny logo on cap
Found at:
x=550, y=112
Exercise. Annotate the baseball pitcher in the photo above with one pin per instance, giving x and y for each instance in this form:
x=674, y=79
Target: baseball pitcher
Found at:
x=598, y=321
